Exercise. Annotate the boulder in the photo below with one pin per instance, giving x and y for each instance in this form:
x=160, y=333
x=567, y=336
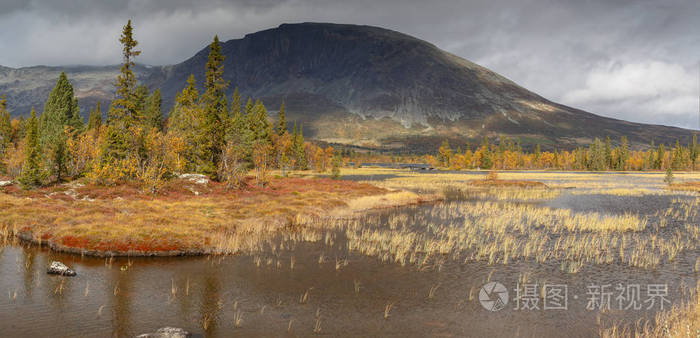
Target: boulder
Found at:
x=167, y=332
x=58, y=268
x=5, y=183
x=195, y=178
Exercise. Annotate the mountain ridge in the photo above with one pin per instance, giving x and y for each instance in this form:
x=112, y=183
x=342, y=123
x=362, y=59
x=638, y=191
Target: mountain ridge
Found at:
x=377, y=88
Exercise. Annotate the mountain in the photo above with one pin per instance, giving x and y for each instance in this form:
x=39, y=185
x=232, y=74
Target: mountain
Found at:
x=30, y=87
x=366, y=86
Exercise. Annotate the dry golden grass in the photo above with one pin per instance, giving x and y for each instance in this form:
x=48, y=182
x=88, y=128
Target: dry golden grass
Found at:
x=679, y=322
x=693, y=186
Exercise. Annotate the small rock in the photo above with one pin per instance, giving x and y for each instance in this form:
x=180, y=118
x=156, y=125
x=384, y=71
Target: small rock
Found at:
x=58, y=268
x=195, y=178
x=167, y=332
x=5, y=183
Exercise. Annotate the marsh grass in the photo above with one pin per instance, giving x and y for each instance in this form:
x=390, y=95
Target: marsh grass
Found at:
x=506, y=232
x=681, y=320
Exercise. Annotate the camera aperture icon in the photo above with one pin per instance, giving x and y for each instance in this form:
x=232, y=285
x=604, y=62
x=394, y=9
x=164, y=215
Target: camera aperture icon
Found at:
x=493, y=296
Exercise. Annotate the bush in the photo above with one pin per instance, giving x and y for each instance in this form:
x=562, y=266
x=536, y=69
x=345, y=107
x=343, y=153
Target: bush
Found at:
x=669, y=177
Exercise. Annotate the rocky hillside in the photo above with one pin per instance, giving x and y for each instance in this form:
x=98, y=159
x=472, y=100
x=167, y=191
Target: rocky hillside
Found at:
x=365, y=86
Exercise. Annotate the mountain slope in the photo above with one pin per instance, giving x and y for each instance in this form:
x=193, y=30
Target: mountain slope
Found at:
x=30, y=87
x=378, y=88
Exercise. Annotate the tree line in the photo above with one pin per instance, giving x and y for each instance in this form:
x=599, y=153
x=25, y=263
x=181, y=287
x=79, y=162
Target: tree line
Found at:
x=598, y=156
x=204, y=133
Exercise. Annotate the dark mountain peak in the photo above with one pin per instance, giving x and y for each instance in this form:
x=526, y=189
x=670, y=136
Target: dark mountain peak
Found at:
x=366, y=86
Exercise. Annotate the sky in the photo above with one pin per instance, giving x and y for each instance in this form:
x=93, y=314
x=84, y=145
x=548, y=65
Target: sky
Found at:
x=632, y=60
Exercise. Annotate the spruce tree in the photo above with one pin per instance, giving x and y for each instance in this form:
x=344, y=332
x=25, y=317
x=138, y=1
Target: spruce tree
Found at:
x=153, y=115
x=124, y=107
x=215, y=110
x=76, y=121
x=5, y=131
x=95, y=120
x=281, y=121
x=185, y=120
x=596, y=156
x=299, y=151
x=238, y=131
x=486, y=160
x=123, y=112
x=660, y=154
x=60, y=111
x=336, y=163
x=607, y=153
x=31, y=168
x=237, y=118
x=624, y=154
x=259, y=125
x=693, y=151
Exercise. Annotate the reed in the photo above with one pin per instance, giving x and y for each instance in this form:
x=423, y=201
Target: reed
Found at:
x=237, y=318
x=387, y=309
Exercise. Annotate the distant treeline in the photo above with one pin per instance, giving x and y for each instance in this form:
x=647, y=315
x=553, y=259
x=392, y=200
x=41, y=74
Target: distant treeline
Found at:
x=599, y=155
x=204, y=133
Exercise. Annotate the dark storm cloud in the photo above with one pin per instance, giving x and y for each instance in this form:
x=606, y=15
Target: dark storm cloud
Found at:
x=635, y=60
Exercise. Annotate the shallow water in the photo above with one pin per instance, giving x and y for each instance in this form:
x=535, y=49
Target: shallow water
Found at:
x=329, y=296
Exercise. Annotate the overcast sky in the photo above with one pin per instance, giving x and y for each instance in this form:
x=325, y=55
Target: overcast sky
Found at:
x=634, y=60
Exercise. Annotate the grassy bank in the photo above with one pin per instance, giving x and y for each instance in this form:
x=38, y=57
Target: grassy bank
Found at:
x=187, y=218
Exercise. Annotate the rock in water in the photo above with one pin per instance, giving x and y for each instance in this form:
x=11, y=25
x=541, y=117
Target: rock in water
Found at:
x=167, y=332
x=58, y=268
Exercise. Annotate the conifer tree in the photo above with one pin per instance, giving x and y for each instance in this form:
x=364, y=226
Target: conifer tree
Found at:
x=693, y=151
x=60, y=112
x=624, y=154
x=660, y=154
x=486, y=160
x=31, y=168
x=123, y=112
x=336, y=163
x=95, y=120
x=237, y=118
x=215, y=115
x=5, y=131
x=259, y=125
x=153, y=115
x=124, y=107
x=185, y=121
x=238, y=131
x=282, y=121
x=677, y=156
x=298, y=147
x=607, y=153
